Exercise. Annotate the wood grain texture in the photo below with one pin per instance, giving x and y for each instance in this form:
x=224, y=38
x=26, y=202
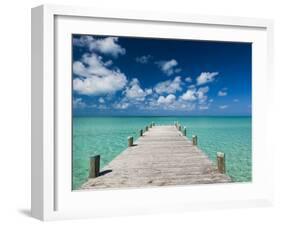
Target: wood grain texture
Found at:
x=162, y=156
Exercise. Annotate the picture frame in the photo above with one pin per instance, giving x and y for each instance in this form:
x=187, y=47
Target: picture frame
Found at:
x=52, y=197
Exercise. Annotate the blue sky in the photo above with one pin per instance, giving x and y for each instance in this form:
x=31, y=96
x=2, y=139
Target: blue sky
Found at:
x=145, y=76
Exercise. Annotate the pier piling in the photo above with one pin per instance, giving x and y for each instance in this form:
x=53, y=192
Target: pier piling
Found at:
x=94, y=166
x=221, y=162
x=130, y=141
x=194, y=140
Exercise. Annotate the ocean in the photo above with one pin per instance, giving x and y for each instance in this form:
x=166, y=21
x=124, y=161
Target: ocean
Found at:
x=107, y=136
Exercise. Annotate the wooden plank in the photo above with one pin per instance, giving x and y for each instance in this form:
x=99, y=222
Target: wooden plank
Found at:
x=161, y=156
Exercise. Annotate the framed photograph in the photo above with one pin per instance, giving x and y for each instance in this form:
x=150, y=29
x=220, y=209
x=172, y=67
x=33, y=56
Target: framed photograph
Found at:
x=136, y=112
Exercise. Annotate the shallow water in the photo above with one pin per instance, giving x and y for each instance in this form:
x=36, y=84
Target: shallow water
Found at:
x=107, y=136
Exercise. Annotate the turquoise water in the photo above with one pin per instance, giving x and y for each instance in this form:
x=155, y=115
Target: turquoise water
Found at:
x=107, y=136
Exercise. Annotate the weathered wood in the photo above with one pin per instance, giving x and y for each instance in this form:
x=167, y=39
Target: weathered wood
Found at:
x=94, y=168
x=130, y=141
x=146, y=128
x=194, y=140
x=221, y=162
x=163, y=156
x=141, y=132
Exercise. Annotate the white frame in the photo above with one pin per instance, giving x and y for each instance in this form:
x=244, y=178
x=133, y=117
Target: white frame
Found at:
x=43, y=109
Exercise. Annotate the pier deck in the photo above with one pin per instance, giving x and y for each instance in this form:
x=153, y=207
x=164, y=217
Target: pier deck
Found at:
x=162, y=156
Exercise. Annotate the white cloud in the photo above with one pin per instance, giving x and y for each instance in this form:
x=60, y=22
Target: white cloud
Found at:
x=121, y=105
x=211, y=100
x=169, y=103
x=83, y=41
x=108, y=45
x=96, y=77
x=203, y=107
x=193, y=94
x=143, y=59
x=102, y=107
x=201, y=94
x=223, y=106
x=188, y=79
x=78, y=103
x=206, y=77
x=222, y=93
x=189, y=95
x=166, y=100
x=169, y=67
x=169, y=86
x=135, y=92
x=101, y=100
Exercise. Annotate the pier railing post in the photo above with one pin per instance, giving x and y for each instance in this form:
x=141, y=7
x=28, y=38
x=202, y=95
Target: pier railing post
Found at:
x=146, y=128
x=179, y=127
x=150, y=126
x=141, y=132
x=194, y=140
x=184, y=131
x=130, y=141
x=94, y=166
x=221, y=162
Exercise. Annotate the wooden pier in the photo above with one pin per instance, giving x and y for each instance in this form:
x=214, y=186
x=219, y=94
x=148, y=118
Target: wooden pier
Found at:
x=161, y=156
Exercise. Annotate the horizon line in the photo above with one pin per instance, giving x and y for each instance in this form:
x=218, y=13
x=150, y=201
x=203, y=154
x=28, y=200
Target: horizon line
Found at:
x=161, y=115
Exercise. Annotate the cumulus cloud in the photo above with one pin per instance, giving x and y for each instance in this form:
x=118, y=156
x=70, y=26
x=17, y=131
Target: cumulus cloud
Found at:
x=102, y=107
x=222, y=92
x=169, y=67
x=96, y=77
x=193, y=94
x=188, y=79
x=135, y=92
x=143, y=59
x=206, y=77
x=101, y=100
x=189, y=95
x=121, y=105
x=169, y=86
x=169, y=103
x=201, y=94
x=203, y=107
x=166, y=100
x=78, y=103
x=107, y=46
x=223, y=106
